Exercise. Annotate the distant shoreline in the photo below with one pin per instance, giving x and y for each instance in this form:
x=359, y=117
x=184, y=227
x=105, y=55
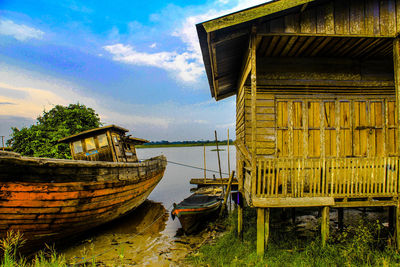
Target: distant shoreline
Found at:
x=222, y=143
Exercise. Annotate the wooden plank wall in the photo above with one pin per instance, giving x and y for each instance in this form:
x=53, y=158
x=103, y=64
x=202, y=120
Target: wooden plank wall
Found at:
x=340, y=17
x=334, y=73
x=265, y=115
x=240, y=115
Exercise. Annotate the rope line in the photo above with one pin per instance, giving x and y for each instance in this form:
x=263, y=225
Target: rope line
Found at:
x=195, y=167
x=126, y=241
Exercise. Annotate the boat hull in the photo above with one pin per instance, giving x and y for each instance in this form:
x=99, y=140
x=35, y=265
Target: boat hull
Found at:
x=39, y=204
x=194, y=216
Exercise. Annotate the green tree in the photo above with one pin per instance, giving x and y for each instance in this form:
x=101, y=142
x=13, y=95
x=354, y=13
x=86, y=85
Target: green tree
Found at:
x=41, y=139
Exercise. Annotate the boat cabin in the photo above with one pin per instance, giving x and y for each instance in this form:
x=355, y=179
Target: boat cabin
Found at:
x=317, y=87
x=108, y=143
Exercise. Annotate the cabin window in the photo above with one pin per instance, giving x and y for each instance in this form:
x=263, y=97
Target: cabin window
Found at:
x=103, y=142
x=115, y=139
x=77, y=147
x=90, y=144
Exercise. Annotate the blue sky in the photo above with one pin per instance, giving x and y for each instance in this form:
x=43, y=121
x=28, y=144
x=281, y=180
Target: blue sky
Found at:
x=137, y=63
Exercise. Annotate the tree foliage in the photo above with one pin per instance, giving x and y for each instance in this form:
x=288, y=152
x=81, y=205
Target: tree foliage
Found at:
x=41, y=139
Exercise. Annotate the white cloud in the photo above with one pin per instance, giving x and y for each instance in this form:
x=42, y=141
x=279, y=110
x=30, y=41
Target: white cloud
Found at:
x=19, y=31
x=185, y=65
x=153, y=45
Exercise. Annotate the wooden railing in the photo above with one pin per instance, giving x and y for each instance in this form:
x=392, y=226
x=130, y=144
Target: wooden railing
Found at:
x=333, y=177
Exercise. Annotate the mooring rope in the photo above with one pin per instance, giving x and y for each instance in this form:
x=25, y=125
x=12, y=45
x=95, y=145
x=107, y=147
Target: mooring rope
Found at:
x=126, y=241
x=194, y=167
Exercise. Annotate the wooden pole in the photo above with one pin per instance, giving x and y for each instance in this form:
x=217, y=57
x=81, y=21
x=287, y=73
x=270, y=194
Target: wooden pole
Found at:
x=325, y=225
x=229, y=171
x=2, y=141
x=266, y=226
x=219, y=163
x=228, y=190
x=340, y=219
x=204, y=155
x=253, y=78
x=260, y=231
x=391, y=219
x=396, y=62
x=229, y=162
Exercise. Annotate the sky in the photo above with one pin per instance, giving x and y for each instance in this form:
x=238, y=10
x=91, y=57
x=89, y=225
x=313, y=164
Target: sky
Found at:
x=136, y=63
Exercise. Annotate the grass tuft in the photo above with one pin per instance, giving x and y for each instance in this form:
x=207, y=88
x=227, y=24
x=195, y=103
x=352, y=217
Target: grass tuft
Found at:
x=362, y=244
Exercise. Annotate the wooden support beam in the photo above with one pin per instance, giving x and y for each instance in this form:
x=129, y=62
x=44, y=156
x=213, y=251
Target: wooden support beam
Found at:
x=396, y=62
x=251, y=14
x=260, y=231
x=266, y=226
x=213, y=63
x=246, y=67
x=325, y=225
x=289, y=202
x=228, y=190
x=391, y=220
x=340, y=219
x=244, y=151
x=253, y=110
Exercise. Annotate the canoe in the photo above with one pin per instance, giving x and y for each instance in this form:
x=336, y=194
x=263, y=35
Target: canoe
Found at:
x=196, y=210
x=50, y=199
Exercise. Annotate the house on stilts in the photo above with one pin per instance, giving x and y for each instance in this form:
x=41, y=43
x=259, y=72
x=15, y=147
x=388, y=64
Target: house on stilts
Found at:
x=317, y=103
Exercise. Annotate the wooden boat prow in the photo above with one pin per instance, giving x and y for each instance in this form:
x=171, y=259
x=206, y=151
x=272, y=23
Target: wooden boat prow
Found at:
x=202, y=206
x=49, y=199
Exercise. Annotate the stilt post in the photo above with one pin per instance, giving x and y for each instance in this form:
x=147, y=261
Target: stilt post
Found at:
x=260, y=231
x=340, y=219
x=325, y=225
x=266, y=228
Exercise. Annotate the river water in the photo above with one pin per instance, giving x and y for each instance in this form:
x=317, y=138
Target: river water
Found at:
x=148, y=235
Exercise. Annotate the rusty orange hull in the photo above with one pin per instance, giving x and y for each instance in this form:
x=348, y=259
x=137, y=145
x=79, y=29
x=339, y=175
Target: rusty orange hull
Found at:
x=51, y=199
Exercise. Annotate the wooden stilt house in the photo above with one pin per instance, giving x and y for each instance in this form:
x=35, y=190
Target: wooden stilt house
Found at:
x=317, y=103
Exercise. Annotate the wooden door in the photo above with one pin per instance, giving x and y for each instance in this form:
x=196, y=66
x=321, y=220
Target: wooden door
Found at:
x=314, y=128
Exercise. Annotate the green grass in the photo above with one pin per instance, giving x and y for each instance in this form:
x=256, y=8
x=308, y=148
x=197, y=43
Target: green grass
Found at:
x=363, y=244
x=10, y=257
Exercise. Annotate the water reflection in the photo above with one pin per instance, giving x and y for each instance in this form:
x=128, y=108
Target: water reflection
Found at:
x=135, y=238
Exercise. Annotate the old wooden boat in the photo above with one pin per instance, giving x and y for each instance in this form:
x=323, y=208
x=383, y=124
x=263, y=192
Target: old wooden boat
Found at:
x=49, y=199
x=199, y=208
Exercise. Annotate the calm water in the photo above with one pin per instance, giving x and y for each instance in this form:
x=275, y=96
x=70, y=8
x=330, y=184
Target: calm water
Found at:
x=147, y=236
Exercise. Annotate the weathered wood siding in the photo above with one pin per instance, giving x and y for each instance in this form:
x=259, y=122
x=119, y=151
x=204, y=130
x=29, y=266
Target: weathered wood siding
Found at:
x=240, y=115
x=265, y=115
x=325, y=75
x=340, y=17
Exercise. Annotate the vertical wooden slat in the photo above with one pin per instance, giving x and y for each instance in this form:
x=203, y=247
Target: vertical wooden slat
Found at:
x=396, y=61
x=259, y=177
x=323, y=177
x=276, y=185
x=267, y=173
x=385, y=176
x=357, y=17
x=253, y=106
x=372, y=17
x=341, y=17
x=397, y=175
